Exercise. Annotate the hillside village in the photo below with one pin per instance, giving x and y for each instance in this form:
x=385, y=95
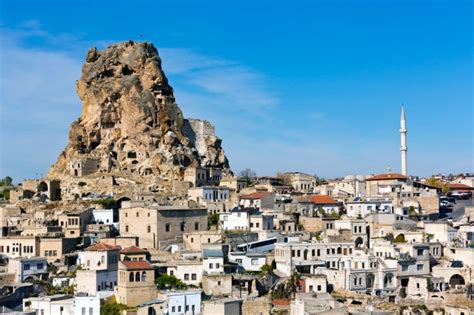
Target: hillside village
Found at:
x=142, y=214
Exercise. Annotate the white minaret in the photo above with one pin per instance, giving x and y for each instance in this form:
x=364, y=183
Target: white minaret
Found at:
x=403, y=142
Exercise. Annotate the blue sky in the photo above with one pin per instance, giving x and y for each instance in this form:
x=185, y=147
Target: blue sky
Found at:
x=312, y=86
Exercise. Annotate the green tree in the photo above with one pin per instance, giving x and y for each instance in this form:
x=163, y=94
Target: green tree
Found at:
x=438, y=184
x=6, y=181
x=266, y=270
x=164, y=281
x=108, y=203
x=248, y=174
x=212, y=219
x=111, y=307
x=399, y=239
x=412, y=212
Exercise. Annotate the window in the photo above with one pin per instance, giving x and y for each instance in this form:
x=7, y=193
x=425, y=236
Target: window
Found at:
x=91, y=311
x=211, y=266
x=208, y=240
x=193, y=276
x=131, y=278
x=26, y=267
x=218, y=283
x=310, y=288
x=148, y=228
x=83, y=311
x=183, y=226
x=137, y=214
x=319, y=288
x=179, y=308
x=192, y=240
x=254, y=261
x=417, y=285
x=419, y=267
x=186, y=276
x=196, y=226
x=126, y=228
x=167, y=227
x=173, y=309
x=218, y=265
x=419, y=252
x=404, y=268
x=39, y=266
x=143, y=276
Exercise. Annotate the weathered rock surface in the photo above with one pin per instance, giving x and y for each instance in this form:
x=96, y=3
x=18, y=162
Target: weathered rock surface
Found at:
x=131, y=126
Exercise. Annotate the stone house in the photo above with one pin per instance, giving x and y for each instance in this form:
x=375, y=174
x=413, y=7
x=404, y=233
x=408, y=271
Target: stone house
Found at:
x=53, y=248
x=162, y=223
x=195, y=240
x=226, y=306
x=217, y=284
x=259, y=200
x=20, y=246
x=134, y=253
x=235, y=183
x=135, y=283
x=74, y=224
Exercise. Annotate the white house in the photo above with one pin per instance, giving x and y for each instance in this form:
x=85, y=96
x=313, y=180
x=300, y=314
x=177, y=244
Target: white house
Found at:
x=248, y=261
x=51, y=305
x=190, y=272
x=34, y=268
x=442, y=232
x=325, y=202
x=105, y=216
x=237, y=219
x=362, y=208
x=209, y=194
x=89, y=305
x=213, y=260
x=100, y=263
x=183, y=302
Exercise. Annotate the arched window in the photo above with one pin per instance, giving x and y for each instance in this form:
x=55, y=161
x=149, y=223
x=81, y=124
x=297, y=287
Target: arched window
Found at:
x=339, y=250
x=143, y=276
x=130, y=278
x=137, y=276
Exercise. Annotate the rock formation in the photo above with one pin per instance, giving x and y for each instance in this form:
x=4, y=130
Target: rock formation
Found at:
x=131, y=126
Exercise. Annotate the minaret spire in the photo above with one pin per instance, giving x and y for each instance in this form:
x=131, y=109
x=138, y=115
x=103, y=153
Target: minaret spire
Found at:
x=403, y=142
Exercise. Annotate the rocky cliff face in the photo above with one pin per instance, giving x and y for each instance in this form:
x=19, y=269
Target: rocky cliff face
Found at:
x=130, y=124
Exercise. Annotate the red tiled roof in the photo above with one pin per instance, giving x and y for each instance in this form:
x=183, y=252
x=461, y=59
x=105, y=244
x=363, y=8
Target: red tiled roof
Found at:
x=137, y=265
x=457, y=186
x=100, y=247
x=388, y=176
x=322, y=200
x=133, y=250
x=256, y=195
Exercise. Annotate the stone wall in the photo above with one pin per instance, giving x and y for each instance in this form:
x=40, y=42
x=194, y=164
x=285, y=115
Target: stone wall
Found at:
x=256, y=306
